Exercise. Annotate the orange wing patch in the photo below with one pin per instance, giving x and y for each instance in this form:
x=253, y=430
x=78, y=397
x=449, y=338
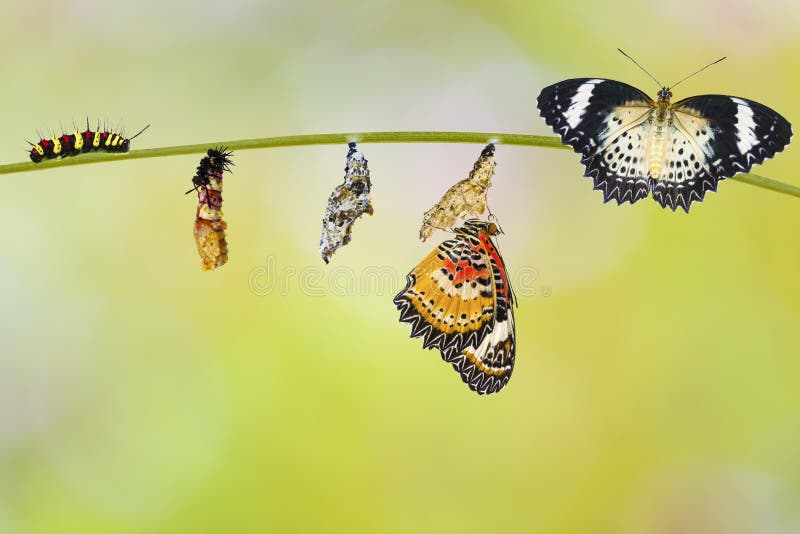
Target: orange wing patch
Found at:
x=450, y=295
x=448, y=298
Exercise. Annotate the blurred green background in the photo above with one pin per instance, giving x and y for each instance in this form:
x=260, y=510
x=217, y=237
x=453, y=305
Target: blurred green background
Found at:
x=656, y=386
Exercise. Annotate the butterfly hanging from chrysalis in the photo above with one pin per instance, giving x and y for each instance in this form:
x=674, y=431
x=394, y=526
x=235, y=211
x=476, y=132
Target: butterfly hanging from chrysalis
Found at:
x=466, y=198
x=632, y=146
x=459, y=301
x=349, y=201
x=209, y=228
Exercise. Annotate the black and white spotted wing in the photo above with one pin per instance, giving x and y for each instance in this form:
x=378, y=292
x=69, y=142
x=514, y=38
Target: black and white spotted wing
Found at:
x=713, y=137
x=594, y=115
x=631, y=145
x=579, y=110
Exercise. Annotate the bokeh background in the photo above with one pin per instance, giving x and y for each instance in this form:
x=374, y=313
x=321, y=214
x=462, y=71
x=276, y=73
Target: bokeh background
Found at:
x=656, y=387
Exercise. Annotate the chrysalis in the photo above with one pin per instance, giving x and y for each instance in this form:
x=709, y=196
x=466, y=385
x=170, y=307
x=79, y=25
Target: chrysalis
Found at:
x=464, y=199
x=209, y=228
x=346, y=204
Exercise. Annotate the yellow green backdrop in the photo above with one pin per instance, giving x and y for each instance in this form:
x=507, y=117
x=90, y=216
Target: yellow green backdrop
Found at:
x=656, y=385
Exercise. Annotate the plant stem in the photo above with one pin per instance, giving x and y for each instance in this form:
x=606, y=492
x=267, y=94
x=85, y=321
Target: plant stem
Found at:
x=342, y=138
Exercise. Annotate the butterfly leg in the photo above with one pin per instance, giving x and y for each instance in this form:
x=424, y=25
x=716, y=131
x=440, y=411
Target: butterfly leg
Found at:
x=492, y=216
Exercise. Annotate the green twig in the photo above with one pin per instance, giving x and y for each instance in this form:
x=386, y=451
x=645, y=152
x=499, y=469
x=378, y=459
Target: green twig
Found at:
x=341, y=138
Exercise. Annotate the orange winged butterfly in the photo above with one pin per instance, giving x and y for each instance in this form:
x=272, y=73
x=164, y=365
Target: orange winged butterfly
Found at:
x=459, y=300
x=632, y=146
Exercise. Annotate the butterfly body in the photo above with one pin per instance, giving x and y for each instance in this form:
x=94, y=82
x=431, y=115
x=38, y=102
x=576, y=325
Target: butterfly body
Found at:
x=633, y=146
x=661, y=119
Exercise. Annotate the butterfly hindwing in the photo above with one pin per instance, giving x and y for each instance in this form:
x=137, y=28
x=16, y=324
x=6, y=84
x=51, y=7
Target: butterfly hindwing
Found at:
x=487, y=367
x=619, y=170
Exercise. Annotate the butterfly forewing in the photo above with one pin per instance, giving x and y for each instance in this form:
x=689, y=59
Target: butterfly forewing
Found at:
x=582, y=110
x=448, y=298
x=684, y=176
x=607, y=123
x=739, y=133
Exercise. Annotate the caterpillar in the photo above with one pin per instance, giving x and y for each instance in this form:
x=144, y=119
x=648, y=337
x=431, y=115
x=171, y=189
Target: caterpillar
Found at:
x=79, y=142
x=209, y=228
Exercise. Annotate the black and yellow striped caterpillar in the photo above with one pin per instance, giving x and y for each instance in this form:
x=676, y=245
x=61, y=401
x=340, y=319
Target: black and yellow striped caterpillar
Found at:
x=79, y=142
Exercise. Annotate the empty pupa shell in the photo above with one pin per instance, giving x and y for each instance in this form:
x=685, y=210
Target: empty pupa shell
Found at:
x=348, y=202
x=465, y=199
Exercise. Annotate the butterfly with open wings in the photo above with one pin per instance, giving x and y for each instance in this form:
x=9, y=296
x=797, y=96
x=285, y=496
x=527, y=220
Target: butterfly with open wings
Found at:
x=459, y=300
x=632, y=146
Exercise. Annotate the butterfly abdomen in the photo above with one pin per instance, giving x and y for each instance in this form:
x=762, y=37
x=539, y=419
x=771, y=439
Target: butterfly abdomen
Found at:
x=657, y=145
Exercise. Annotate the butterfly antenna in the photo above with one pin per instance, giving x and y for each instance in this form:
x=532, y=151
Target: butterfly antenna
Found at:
x=660, y=85
x=140, y=131
x=697, y=71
